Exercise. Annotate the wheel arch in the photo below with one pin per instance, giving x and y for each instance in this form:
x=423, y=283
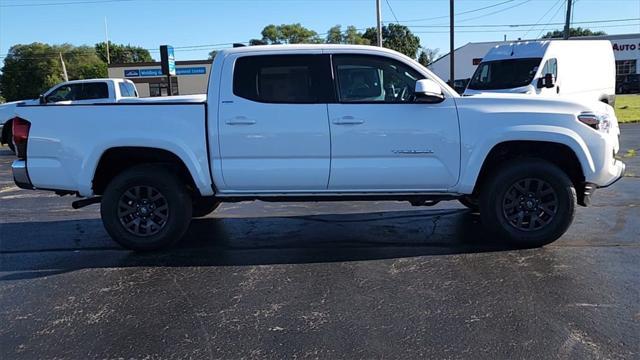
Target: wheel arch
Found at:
x=117, y=159
x=560, y=146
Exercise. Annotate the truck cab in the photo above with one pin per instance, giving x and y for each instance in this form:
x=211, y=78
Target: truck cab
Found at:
x=573, y=69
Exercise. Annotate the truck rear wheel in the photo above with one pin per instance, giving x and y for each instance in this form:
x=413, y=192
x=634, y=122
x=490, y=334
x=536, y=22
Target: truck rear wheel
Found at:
x=146, y=208
x=530, y=202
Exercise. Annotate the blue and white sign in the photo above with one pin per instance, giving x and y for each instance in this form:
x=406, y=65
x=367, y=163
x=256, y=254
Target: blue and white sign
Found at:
x=132, y=73
x=172, y=60
x=200, y=70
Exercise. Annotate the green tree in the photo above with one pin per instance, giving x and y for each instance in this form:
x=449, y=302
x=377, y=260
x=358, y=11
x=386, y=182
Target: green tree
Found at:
x=427, y=56
x=33, y=68
x=122, y=54
x=396, y=37
x=334, y=35
x=573, y=32
x=353, y=36
x=287, y=34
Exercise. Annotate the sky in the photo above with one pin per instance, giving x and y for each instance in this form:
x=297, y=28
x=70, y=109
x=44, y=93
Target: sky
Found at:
x=195, y=27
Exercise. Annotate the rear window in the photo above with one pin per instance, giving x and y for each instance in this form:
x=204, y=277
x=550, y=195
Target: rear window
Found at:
x=295, y=79
x=127, y=90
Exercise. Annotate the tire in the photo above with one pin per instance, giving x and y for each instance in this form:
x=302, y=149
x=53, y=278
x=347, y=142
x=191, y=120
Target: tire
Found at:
x=470, y=202
x=529, y=203
x=149, y=190
x=204, y=206
x=7, y=136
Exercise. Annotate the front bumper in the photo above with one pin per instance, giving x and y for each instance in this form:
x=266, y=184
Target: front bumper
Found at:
x=21, y=175
x=619, y=168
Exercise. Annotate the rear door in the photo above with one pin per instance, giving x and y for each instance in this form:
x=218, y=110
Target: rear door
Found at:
x=273, y=126
x=382, y=138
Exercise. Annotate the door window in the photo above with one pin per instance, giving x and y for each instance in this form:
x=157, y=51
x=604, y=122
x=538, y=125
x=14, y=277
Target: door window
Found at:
x=63, y=93
x=374, y=79
x=91, y=91
x=294, y=79
x=127, y=90
x=550, y=67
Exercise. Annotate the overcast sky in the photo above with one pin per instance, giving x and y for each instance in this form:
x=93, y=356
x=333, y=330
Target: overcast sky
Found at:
x=184, y=23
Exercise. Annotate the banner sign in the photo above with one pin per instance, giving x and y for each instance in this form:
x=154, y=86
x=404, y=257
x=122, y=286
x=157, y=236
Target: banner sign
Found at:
x=200, y=70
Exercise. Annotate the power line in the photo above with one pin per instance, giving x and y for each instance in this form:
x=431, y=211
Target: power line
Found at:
x=460, y=13
x=496, y=12
x=64, y=3
x=525, y=25
x=543, y=15
x=550, y=20
x=392, y=12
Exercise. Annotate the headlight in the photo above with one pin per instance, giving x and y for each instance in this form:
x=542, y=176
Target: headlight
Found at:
x=599, y=122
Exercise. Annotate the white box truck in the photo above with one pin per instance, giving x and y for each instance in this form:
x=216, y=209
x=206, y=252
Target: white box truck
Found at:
x=575, y=69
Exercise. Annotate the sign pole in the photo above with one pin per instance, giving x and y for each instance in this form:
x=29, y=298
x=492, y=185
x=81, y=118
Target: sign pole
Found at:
x=168, y=62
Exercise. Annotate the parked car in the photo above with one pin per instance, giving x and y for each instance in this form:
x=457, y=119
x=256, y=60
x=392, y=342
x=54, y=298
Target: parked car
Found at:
x=629, y=84
x=316, y=123
x=574, y=69
x=91, y=91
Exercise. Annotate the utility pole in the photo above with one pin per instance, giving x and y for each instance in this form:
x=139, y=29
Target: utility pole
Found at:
x=379, y=23
x=567, y=23
x=451, y=45
x=106, y=35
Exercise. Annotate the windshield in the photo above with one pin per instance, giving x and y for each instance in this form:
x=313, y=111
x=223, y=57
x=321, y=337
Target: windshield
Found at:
x=504, y=74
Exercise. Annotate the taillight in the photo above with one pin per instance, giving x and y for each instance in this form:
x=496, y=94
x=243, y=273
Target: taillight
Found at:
x=20, y=129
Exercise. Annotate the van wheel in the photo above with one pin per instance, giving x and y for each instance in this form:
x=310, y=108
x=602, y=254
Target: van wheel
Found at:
x=204, y=206
x=529, y=203
x=146, y=208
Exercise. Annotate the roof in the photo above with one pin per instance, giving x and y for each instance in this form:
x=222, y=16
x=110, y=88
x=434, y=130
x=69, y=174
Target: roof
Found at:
x=157, y=63
x=293, y=47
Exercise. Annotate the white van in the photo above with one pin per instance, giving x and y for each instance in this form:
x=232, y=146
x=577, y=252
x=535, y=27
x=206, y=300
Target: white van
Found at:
x=579, y=69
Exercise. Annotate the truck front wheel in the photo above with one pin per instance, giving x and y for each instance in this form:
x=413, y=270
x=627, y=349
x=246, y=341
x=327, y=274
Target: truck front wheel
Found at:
x=530, y=202
x=146, y=208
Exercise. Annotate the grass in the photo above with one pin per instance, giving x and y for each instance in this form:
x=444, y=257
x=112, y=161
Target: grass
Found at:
x=628, y=108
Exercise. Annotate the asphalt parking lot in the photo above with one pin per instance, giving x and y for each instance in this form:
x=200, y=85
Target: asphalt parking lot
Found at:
x=326, y=280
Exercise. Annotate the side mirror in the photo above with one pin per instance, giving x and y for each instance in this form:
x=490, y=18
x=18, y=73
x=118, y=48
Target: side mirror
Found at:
x=43, y=100
x=428, y=90
x=546, y=81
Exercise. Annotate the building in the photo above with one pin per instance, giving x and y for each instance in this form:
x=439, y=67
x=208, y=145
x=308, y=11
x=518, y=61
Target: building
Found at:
x=626, y=49
x=192, y=77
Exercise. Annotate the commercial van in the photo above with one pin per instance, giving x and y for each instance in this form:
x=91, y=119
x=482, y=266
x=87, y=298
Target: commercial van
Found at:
x=576, y=69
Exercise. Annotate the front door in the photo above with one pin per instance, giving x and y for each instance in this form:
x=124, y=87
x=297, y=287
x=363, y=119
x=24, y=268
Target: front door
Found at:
x=273, y=126
x=382, y=137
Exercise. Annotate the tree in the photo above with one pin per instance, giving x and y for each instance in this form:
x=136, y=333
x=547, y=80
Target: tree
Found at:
x=573, y=32
x=287, y=34
x=33, y=68
x=334, y=35
x=427, y=56
x=122, y=54
x=396, y=37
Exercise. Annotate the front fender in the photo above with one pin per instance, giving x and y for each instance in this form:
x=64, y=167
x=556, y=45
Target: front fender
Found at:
x=477, y=152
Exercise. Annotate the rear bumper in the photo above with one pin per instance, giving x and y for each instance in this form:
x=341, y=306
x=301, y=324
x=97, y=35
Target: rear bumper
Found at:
x=21, y=175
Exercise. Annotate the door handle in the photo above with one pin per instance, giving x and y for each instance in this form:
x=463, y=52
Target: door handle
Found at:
x=348, y=120
x=240, y=120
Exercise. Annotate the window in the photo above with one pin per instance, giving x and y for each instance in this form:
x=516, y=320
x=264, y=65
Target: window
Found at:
x=63, y=93
x=295, y=79
x=127, y=90
x=625, y=67
x=550, y=67
x=362, y=78
x=160, y=88
x=504, y=74
x=90, y=91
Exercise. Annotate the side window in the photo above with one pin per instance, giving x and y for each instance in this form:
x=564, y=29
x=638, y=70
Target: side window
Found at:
x=127, y=90
x=550, y=67
x=92, y=91
x=294, y=79
x=63, y=93
x=362, y=78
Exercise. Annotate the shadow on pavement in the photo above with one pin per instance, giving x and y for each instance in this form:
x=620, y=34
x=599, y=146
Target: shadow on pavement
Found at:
x=31, y=250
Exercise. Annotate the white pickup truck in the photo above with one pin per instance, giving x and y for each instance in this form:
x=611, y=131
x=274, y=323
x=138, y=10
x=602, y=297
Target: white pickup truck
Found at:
x=88, y=91
x=320, y=122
